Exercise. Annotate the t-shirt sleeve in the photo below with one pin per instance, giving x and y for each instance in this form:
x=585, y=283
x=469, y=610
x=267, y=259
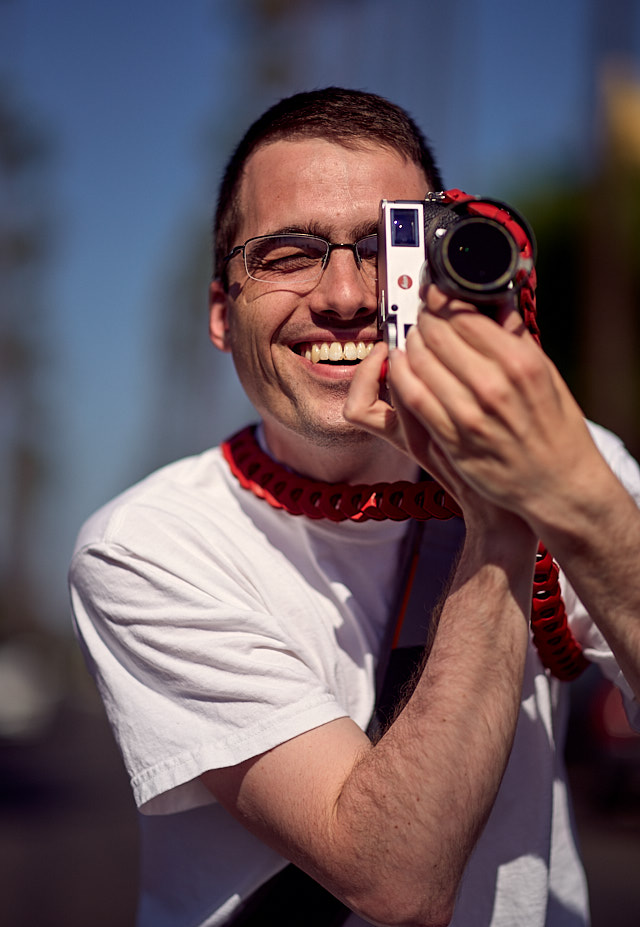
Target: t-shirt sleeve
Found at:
x=194, y=670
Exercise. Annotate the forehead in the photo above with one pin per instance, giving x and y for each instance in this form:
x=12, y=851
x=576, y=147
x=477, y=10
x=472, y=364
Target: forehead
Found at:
x=322, y=186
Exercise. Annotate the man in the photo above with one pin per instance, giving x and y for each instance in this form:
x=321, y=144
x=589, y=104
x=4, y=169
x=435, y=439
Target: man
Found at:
x=235, y=638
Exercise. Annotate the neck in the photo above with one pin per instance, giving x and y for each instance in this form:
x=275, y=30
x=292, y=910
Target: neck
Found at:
x=355, y=457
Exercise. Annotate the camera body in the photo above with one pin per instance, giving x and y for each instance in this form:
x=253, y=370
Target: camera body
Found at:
x=472, y=249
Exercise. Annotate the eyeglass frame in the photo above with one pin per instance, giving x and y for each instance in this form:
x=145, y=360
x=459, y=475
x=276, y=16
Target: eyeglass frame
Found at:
x=331, y=246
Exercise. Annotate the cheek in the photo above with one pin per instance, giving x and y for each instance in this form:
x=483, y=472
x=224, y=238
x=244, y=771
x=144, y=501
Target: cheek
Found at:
x=256, y=319
x=250, y=337
x=243, y=339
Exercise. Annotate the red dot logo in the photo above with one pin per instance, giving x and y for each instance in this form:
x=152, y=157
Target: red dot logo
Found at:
x=405, y=282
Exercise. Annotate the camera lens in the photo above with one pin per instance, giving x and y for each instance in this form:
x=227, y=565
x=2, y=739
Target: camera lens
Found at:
x=479, y=254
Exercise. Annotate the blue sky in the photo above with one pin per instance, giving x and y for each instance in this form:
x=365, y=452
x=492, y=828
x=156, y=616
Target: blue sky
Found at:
x=142, y=101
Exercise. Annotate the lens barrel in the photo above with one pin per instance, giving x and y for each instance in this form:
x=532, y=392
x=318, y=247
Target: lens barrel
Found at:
x=479, y=255
x=471, y=257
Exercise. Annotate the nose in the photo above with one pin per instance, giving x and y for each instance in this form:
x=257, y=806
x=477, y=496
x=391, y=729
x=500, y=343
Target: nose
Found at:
x=343, y=289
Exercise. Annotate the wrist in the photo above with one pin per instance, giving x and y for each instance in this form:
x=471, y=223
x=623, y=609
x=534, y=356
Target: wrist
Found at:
x=506, y=547
x=499, y=531
x=593, y=500
x=494, y=577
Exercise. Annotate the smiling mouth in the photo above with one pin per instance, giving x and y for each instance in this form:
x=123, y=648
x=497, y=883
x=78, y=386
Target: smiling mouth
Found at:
x=333, y=352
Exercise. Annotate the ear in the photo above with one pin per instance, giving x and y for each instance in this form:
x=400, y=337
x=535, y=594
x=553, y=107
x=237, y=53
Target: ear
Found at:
x=219, y=316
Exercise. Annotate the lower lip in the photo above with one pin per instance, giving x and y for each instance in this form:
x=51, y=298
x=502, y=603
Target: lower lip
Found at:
x=329, y=371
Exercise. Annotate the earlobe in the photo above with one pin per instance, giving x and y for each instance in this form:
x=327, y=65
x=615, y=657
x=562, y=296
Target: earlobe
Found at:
x=218, y=316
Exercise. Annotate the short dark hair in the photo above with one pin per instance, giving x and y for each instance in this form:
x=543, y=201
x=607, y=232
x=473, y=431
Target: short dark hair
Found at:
x=348, y=117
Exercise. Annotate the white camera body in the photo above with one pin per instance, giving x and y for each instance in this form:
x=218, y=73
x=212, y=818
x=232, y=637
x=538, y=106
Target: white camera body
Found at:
x=401, y=254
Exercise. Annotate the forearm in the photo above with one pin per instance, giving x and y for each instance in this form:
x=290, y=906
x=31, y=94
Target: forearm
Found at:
x=389, y=828
x=511, y=429
x=594, y=533
x=415, y=805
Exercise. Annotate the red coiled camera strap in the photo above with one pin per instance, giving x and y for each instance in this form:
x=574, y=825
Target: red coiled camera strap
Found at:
x=257, y=472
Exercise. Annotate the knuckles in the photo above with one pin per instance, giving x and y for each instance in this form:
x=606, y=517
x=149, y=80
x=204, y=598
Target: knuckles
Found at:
x=525, y=365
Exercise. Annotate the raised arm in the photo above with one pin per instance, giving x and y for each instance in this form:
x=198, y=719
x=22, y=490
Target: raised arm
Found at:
x=497, y=409
x=389, y=827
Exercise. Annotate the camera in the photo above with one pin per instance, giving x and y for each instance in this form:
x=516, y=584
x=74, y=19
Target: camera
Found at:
x=474, y=249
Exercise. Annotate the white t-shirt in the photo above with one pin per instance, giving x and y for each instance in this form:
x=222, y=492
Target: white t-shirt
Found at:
x=218, y=627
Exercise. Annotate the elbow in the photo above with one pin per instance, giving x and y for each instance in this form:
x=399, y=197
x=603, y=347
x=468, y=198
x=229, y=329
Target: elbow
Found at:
x=392, y=907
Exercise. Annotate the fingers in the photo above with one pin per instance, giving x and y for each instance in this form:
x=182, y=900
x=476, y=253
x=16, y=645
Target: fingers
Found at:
x=419, y=381
x=472, y=325
x=498, y=367
x=396, y=424
x=430, y=436
x=508, y=317
x=363, y=405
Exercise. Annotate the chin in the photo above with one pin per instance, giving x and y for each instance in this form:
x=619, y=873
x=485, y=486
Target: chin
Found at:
x=318, y=424
x=335, y=433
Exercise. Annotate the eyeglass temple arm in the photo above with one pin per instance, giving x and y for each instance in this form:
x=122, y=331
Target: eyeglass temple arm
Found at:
x=237, y=250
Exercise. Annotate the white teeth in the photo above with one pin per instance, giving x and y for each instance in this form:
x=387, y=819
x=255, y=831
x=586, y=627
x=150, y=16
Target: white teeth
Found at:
x=334, y=351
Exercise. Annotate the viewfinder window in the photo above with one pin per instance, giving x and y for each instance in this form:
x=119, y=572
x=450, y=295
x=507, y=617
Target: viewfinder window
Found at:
x=404, y=228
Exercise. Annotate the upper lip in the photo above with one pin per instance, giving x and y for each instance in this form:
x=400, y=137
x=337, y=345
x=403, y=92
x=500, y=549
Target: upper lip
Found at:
x=318, y=337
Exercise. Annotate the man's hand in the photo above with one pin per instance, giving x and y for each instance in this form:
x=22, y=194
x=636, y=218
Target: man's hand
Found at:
x=479, y=403
x=482, y=408
x=406, y=423
x=494, y=404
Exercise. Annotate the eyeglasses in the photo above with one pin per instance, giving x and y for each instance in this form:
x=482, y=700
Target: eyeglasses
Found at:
x=300, y=258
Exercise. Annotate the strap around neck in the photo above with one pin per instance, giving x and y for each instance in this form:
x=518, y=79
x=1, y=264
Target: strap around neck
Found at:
x=299, y=495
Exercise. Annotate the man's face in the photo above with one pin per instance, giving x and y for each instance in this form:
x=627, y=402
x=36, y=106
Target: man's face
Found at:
x=320, y=188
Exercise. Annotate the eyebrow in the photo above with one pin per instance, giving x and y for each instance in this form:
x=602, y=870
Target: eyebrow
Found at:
x=315, y=228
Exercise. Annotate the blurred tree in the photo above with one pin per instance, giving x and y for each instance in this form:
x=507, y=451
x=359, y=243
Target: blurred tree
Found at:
x=588, y=231
x=198, y=402
x=588, y=237
x=556, y=212
x=611, y=293
x=24, y=153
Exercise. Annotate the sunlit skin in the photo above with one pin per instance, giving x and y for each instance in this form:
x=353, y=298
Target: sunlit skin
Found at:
x=319, y=187
x=465, y=393
x=483, y=408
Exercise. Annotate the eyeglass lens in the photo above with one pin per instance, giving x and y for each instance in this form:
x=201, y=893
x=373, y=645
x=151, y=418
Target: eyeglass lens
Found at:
x=299, y=257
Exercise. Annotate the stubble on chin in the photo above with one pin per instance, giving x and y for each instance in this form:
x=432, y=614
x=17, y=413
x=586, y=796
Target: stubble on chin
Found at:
x=326, y=426
x=336, y=434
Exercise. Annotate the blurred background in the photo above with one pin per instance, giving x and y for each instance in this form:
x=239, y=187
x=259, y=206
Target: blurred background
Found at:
x=115, y=122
